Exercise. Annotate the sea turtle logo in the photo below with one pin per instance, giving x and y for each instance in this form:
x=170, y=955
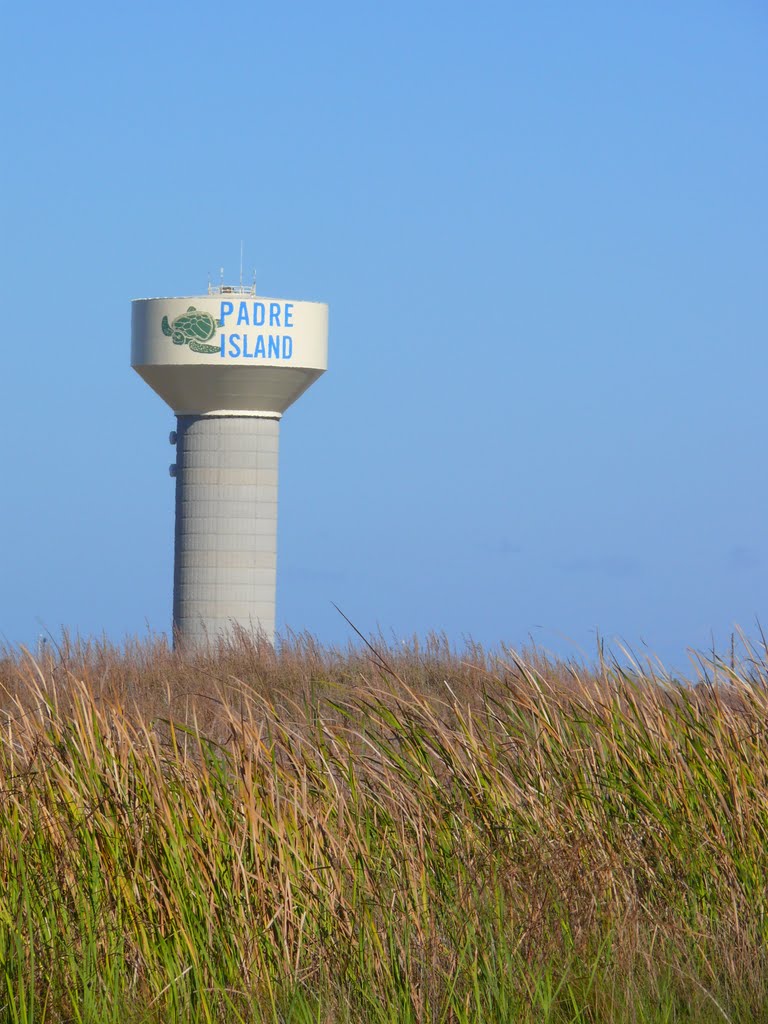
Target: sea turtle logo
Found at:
x=194, y=327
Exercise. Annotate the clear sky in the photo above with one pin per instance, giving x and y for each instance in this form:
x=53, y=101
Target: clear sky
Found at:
x=542, y=230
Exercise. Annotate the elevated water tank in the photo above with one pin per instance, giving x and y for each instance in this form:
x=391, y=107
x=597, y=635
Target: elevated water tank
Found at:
x=229, y=363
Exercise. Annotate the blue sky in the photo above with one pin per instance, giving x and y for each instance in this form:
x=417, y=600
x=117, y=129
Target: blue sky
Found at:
x=542, y=231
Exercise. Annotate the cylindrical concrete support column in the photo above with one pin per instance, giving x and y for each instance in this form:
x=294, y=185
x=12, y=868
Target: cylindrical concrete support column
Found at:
x=225, y=556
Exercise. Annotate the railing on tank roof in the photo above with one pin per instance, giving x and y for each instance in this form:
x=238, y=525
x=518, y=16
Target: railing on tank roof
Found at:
x=231, y=289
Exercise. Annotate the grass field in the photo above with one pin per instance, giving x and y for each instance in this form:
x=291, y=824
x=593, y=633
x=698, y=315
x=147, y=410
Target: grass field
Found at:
x=396, y=835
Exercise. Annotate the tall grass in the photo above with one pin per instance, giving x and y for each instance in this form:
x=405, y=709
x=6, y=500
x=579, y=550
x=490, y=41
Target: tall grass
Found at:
x=380, y=835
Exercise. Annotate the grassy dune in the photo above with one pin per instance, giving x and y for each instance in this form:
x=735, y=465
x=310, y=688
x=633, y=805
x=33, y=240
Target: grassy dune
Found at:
x=391, y=836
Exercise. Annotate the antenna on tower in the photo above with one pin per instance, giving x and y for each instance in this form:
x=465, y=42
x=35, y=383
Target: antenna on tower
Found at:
x=221, y=276
x=241, y=263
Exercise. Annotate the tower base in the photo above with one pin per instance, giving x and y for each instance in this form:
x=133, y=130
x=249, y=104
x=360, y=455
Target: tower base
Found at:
x=225, y=551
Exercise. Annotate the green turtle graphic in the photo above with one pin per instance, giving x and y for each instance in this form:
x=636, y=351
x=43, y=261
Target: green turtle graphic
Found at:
x=196, y=327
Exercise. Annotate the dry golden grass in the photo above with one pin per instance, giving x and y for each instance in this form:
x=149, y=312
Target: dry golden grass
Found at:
x=379, y=834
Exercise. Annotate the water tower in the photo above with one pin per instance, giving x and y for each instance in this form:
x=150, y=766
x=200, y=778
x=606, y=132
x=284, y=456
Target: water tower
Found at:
x=229, y=363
